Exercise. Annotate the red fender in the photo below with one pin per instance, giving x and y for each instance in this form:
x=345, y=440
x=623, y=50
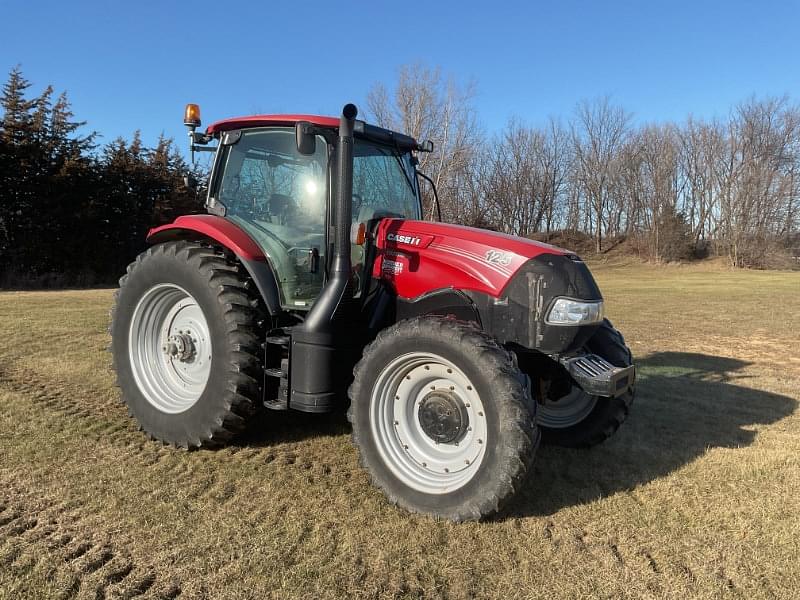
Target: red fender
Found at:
x=210, y=226
x=234, y=239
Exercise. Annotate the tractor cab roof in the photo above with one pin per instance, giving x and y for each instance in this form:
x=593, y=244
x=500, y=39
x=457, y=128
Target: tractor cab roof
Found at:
x=267, y=120
x=363, y=130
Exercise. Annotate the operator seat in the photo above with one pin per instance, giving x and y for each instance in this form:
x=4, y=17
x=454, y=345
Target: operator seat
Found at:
x=282, y=207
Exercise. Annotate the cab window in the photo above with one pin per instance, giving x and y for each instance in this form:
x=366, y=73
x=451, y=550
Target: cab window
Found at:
x=279, y=197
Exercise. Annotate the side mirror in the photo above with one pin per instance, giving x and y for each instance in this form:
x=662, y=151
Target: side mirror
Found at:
x=190, y=181
x=305, y=138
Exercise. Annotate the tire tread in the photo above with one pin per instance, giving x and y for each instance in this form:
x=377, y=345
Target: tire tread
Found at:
x=244, y=317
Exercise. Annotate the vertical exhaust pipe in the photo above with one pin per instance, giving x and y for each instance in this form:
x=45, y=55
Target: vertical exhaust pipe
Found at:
x=312, y=373
x=324, y=311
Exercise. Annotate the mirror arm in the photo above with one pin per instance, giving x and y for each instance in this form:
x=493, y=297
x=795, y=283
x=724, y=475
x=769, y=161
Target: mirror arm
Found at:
x=435, y=194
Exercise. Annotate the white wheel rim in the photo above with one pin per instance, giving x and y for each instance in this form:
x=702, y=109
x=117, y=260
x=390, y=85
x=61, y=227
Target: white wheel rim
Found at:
x=167, y=319
x=408, y=451
x=567, y=411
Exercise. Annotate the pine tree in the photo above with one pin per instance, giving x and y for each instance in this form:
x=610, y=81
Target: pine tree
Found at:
x=16, y=109
x=69, y=214
x=15, y=168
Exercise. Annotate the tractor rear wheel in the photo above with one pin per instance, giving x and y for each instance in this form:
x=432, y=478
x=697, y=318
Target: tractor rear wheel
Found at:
x=442, y=418
x=185, y=341
x=580, y=420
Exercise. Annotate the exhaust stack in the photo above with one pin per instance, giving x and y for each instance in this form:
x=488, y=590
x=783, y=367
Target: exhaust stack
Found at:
x=312, y=374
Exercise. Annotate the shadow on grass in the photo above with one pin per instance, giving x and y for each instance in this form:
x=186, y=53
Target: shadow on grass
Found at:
x=685, y=404
x=271, y=428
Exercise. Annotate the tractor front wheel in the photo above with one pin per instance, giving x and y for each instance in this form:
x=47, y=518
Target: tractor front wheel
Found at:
x=442, y=418
x=185, y=341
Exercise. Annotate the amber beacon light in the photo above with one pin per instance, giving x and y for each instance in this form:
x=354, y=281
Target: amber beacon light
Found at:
x=191, y=116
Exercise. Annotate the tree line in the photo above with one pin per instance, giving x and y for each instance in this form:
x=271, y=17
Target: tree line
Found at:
x=672, y=191
x=73, y=212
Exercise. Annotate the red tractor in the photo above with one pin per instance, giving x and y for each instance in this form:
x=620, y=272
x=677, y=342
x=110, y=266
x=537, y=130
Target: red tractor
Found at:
x=313, y=277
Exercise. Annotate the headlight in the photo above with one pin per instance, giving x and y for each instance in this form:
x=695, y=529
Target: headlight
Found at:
x=575, y=312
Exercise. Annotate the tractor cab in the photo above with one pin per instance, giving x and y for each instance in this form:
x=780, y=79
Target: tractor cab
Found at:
x=277, y=184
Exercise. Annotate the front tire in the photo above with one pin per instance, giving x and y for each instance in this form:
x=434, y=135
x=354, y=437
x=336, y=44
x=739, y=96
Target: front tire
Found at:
x=185, y=342
x=442, y=418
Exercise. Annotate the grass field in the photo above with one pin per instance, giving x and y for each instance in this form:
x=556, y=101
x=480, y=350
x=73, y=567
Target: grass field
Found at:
x=698, y=495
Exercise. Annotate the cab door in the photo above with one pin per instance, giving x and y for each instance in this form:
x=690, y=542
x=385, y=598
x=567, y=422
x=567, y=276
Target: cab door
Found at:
x=279, y=197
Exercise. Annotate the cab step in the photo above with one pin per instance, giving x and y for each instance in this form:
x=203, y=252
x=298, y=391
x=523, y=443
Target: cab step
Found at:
x=276, y=378
x=277, y=404
x=278, y=340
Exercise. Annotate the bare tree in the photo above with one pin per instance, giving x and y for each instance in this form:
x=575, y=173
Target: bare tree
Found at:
x=428, y=106
x=732, y=186
x=599, y=132
x=555, y=161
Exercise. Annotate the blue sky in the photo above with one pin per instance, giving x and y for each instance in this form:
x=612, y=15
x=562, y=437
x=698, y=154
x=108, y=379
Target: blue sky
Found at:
x=133, y=65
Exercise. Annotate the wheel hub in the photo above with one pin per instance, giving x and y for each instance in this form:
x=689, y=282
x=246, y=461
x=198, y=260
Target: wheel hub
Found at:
x=443, y=417
x=170, y=349
x=180, y=346
x=429, y=422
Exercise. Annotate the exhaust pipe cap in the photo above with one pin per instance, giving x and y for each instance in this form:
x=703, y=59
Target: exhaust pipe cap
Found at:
x=350, y=111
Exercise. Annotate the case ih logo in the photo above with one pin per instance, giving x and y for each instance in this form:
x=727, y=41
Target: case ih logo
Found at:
x=498, y=257
x=403, y=239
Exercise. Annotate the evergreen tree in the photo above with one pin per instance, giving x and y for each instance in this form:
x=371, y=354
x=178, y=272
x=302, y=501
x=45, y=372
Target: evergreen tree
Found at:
x=68, y=214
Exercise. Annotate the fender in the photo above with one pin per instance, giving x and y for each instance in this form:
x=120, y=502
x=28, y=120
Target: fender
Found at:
x=384, y=308
x=228, y=235
x=444, y=302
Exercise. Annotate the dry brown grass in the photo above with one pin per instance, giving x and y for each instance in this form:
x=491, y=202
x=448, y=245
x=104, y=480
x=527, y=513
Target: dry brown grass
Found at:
x=697, y=496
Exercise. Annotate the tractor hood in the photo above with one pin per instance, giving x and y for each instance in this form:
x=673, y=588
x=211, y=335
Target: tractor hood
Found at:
x=417, y=257
x=511, y=282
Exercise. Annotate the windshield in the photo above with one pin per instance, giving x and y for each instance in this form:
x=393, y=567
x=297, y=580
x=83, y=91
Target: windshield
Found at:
x=383, y=183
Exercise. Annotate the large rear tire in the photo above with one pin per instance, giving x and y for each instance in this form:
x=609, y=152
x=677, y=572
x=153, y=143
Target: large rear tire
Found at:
x=580, y=420
x=442, y=418
x=186, y=330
